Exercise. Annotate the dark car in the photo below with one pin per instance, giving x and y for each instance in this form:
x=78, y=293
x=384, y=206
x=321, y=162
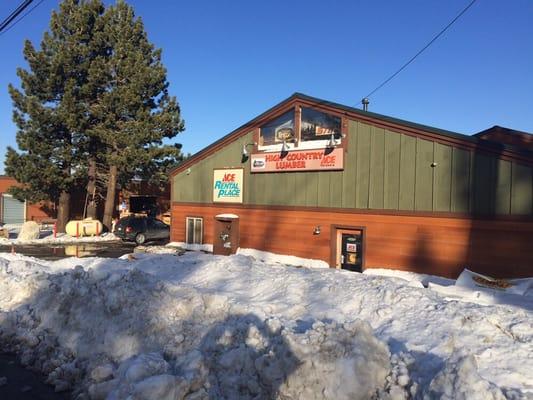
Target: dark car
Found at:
x=142, y=229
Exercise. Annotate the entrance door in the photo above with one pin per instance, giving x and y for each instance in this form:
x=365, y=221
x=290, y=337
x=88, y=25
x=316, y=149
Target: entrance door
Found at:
x=350, y=249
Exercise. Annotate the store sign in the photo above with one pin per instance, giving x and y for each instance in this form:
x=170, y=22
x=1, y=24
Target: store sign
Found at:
x=351, y=247
x=299, y=160
x=227, y=185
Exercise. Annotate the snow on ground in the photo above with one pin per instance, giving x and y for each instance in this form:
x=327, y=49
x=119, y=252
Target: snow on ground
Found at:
x=195, y=326
x=62, y=238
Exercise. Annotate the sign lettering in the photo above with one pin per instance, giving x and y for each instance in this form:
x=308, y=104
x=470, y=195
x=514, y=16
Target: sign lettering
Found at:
x=227, y=185
x=299, y=160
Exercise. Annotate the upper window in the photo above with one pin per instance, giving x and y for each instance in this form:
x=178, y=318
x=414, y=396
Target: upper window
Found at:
x=317, y=125
x=316, y=128
x=278, y=130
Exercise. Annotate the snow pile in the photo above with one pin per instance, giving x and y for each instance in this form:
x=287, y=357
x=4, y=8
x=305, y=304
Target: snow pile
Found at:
x=193, y=247
x=197, y=326
x=282, y=259
x=61, y=238
x=460, y=380
x=80, y=318
x=29, y=231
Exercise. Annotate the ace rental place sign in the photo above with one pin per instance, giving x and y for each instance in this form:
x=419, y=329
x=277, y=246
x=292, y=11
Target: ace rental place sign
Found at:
x=301, y=160
x=227, y=185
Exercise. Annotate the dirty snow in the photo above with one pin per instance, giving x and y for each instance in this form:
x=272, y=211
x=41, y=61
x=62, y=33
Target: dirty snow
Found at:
x=47, y=238
x=197, y=326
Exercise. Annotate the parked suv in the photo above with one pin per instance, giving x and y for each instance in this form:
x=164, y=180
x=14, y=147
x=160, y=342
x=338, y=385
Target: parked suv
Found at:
x=142, y=229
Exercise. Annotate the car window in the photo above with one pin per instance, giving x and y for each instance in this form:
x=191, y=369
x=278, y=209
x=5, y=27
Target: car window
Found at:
x=137, y=223
x=160, y=224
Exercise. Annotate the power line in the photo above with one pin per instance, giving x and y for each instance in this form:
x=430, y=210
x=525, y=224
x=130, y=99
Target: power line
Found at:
x=21, y=17
x=14, y=14
x=421, y=51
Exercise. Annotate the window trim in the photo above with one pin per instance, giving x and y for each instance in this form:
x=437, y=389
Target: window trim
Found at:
x=299, y=144
x=195, y=219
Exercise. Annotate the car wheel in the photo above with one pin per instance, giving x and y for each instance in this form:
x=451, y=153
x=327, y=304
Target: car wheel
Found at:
x=140, y=238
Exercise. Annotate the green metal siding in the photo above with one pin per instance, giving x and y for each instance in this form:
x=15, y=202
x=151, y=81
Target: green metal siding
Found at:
x=382, y=170
x=407, y=173
x=377, y=168
x=442, y=178
x=460, y=196
x=391, y=185
x=362, y=177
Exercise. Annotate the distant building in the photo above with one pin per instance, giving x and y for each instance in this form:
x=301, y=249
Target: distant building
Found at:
x=360, y=190
x=13, y=211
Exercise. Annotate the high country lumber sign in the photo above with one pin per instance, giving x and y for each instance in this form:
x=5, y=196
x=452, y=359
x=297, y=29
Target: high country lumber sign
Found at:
x=302, y=160
x=227, y=185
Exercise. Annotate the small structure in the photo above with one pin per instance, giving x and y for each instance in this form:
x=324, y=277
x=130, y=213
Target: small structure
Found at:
x=13, y=211
x=316, y=179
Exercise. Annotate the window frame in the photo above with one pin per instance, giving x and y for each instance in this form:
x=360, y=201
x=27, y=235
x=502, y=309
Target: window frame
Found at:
x=195, y=220
x=300, y=144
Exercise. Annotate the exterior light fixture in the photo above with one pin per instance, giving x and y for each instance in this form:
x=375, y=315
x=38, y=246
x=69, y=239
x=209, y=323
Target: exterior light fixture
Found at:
x=332, y=142
x=433, y=164
x=245, y=150
x=316, y=231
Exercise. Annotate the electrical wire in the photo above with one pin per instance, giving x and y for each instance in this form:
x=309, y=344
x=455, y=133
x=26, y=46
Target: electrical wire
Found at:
x=21, y=17
x=14, y=14
x=421, y=51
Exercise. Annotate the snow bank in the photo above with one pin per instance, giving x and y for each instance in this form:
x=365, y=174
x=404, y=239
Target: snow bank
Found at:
x=192, y=247
x=62, y=238
x=200, y=326
x=420, y=280
x=283, y=259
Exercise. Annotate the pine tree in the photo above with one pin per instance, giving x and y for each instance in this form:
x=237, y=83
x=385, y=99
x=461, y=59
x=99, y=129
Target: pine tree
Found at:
x=135, y=113
x=50, y=108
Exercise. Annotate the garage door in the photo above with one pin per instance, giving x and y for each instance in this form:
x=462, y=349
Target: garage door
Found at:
x=12, y=210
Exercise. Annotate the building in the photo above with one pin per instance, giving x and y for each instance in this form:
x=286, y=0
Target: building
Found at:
x=359, y=190
x=13, y=211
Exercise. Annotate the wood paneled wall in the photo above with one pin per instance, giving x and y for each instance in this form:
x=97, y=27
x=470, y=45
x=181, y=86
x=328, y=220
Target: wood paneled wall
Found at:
x=432, y=245
x=383, y=170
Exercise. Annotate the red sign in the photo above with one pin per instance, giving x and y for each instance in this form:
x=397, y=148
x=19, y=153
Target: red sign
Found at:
x=299, y=160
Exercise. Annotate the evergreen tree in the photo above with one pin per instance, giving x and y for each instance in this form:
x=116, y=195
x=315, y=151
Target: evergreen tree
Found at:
x=50, y=108
x=93, y=109
x=135, y=113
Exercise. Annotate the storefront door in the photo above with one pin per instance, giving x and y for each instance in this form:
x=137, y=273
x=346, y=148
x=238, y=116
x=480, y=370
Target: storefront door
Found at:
x=350, y=249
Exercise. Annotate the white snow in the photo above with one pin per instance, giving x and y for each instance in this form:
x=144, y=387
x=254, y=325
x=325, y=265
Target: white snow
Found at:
x=282, y=259
x=193, y=247
x=227, y=215
x=61, y=238
x=197, y=326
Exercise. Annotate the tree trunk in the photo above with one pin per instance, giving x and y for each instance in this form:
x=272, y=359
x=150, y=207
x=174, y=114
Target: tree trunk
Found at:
x=91, y=190
x=63, y=211
x=110, y=197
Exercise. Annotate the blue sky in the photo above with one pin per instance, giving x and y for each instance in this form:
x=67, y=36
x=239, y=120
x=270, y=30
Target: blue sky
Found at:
x=229, y=61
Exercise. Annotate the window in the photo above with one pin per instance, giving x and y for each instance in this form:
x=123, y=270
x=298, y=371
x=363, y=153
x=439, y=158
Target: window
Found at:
x=194, y=230
x=317, y=125
x=307, y=129
x=278, y=130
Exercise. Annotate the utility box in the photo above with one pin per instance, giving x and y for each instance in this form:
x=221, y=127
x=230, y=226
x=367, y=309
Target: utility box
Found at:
x=226, y=237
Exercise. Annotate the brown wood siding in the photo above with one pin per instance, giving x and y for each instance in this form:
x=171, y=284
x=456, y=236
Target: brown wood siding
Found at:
x=433, y=245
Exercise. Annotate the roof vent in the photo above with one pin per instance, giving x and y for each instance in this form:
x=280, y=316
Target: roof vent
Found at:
x=365, y=102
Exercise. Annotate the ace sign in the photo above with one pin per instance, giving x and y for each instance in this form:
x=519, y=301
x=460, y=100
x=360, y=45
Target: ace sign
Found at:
x=227, y=185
